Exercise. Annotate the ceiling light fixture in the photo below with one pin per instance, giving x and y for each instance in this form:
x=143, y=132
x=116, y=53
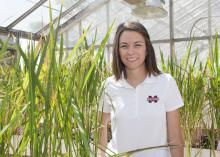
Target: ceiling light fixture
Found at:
x=147, y=9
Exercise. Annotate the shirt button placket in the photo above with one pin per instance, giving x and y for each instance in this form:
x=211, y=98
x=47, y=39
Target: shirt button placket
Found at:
x=136, y=102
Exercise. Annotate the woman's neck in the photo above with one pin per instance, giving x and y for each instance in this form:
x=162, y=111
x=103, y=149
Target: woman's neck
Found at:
x=135, y=77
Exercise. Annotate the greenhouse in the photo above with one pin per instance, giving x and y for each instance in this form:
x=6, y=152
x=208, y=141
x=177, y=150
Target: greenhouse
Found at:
x=57, y=96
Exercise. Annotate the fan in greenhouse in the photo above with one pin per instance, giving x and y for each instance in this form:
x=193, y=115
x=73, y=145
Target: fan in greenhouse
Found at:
x=147, y=9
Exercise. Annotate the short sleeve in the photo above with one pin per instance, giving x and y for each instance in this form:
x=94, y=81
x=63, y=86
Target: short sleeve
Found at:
x=104, y=102
x=173, y=99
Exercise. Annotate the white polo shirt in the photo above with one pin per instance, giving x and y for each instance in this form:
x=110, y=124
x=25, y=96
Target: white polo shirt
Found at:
x=138, y=115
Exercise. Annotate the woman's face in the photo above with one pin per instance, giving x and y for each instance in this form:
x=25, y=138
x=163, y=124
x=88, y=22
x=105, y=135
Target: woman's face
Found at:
x=132, y=50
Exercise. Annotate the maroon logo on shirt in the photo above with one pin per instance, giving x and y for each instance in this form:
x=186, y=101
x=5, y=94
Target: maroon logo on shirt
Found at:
x=151, y=99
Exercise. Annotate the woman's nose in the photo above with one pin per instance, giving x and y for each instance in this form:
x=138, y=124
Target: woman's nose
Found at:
x=130, y=50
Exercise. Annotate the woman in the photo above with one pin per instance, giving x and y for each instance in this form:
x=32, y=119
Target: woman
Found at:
x=140, y=101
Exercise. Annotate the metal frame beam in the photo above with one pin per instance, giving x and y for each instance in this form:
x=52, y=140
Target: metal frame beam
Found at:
x=82, y=14
x=19, y=33
x=185, y=39
x=167, y=40
x=19, y=19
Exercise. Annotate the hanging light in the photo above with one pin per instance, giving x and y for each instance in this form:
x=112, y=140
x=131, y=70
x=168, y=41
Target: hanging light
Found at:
x=147, y=9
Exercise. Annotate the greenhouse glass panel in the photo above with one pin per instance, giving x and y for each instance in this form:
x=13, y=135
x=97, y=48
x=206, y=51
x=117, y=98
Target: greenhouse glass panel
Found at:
x=10, y=10
x=36, y=20
x=191, y=17
x=163, y=48
x=71, y=36
x=157, y=29
x=40, y=17
x=215, y=11
x=199, y=46
x=98, y=23
x=80, y=7
x=186, y=15
x=11, y=41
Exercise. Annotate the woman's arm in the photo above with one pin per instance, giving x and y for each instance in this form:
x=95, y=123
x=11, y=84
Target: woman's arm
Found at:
x=175, y=134
x=104, y=118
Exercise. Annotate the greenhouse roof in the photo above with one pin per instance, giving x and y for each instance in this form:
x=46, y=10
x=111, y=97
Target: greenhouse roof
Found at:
x=192, y=18
x=33, y=15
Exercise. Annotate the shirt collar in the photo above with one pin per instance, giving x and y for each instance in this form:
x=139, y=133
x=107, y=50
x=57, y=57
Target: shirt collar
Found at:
x=122, y=82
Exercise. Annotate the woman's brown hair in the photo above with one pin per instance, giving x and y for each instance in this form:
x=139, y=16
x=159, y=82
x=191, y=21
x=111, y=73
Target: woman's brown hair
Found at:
x=150, y=61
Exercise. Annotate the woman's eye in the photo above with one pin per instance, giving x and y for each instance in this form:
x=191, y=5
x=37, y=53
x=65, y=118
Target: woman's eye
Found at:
x=137, y=45
x=123, y=46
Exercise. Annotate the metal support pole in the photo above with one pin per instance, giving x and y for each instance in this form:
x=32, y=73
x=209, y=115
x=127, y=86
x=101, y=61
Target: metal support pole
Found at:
x=209, y=21
x=172, y=46
x=108, y=25
x=171, y=27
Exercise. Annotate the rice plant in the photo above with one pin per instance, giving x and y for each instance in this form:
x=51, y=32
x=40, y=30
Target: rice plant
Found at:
x=199, y=86
x=52, y=100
